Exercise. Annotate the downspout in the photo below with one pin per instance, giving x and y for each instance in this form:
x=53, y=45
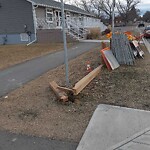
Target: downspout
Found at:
x=35, y=24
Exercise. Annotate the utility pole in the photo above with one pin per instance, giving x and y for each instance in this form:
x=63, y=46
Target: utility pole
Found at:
x=65, y=43
x=113, y=16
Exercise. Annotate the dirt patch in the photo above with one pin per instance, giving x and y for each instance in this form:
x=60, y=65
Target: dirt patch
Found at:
x=28, y=114
x=13, y=54
x=34, y=110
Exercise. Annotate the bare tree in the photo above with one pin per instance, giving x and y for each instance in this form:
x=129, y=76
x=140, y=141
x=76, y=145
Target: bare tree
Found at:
x=103, y=6
x=124, y=8
x=84, y=4
x=146, y=16
x=98, y=7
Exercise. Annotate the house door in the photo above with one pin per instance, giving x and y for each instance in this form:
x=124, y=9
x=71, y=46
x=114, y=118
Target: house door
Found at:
x=58, y=18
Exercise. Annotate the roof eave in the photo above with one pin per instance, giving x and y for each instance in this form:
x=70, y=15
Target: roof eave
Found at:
x=30, y=1
x=43, y=5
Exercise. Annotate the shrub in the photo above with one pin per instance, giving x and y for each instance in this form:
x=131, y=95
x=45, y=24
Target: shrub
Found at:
x=106, y=31
x=94, y=33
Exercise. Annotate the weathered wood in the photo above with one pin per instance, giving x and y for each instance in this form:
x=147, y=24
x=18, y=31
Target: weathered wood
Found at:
x=61, y=95
x=79, y=86
x=147, y=44
x=64, y=89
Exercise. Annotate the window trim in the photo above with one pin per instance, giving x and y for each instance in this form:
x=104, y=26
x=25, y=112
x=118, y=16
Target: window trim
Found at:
x=68, y=14
x=49, y=11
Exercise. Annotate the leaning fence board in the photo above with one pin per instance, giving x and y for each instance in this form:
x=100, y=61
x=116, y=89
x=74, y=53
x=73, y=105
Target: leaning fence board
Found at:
x=121, y=49
x=61, y=95
x=147, y=44
x=79, y=86
x=105, y=59
x=111, y=59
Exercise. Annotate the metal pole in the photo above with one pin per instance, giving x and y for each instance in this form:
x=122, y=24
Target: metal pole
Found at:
x=113, y=15
x=65, y=44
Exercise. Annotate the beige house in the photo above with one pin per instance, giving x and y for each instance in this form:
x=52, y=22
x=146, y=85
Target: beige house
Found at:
x=40, y=21
x=47, y=19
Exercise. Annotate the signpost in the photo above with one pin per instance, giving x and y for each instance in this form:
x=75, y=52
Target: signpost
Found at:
x=65, y=44
x=113, y=16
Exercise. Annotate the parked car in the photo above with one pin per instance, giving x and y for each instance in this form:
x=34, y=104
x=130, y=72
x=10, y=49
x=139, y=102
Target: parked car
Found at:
x=141, y=25
x=147, y=32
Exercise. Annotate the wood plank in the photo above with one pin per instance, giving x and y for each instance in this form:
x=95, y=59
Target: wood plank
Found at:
x=79, y=86
x=111, y=59
x=61, y=95
x=65, y=89
x=147, y=44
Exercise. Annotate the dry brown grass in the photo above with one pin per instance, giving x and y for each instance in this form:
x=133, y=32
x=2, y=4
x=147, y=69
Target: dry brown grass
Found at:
x=14, y=54
x=33, y=109
x=94, y=33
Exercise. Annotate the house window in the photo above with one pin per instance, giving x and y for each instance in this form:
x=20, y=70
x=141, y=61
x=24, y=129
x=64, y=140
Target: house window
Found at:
x=49, y=15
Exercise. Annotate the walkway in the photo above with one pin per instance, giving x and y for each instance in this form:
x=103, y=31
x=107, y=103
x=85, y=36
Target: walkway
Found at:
x=117, y=128
x=20, y=74
x=140, y=142
x=9, y=141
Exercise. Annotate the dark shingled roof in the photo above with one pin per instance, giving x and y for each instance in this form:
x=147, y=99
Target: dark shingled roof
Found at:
x=54, y=4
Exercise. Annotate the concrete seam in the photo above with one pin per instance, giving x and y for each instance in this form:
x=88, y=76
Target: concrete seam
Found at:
x=115, y=147
x=141, y=143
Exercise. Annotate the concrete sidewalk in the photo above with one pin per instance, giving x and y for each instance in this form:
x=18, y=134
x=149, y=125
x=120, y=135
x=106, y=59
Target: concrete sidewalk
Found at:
x=20, y=74
x=111, y=125
x=140, y=141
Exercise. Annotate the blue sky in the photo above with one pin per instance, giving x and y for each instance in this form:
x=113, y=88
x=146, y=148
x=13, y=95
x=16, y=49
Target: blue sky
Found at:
x=144, y=6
